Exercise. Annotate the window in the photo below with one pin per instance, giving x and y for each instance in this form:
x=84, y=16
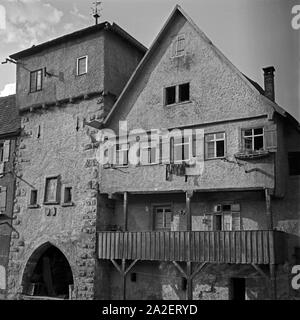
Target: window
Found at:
x=225, y=217
x=170, y=95
x=294, y=163
x=253, y=139
x=1, y=151
x=2, y=199
x=122, y=150
x=184, y=92
x=177, y=94
x=181, y=149
x=68, y=195
x=215, y=145
x=178, y=49
x=33, y=198
x=162, y=218
x=51, y=190
x=36, y=81
x=82, y=65
x=148, y=152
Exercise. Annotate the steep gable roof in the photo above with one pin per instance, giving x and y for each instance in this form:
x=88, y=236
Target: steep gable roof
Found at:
x=10, y=121
x=255, y=87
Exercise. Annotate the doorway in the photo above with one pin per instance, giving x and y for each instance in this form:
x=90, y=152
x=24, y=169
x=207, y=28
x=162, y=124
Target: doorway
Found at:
x=238, y=289
x=48, y=274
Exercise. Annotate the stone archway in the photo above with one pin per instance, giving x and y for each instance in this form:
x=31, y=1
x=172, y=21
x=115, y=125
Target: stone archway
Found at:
x=47, y=273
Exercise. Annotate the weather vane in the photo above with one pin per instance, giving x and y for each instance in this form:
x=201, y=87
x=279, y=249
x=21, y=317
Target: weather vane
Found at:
x=96, y=10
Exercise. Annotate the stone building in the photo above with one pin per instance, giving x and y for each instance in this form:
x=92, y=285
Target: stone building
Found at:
x=64, y=87
x=9, y=130
x=211, y=214
x=213, y=217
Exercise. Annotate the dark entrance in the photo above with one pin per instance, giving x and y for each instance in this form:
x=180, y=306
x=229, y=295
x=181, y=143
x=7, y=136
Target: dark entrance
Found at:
x=51, y=274
x=238, y=289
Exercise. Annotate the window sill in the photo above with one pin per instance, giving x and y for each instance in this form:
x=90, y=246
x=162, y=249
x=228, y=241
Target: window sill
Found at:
x=217, y=158
x=33, y=206
x=178, y=103
x=80, y=75
x=68, y=204
x=51, y=203
x=30, y=92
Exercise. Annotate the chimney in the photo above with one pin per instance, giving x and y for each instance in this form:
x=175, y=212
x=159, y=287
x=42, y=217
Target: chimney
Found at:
x=269, y=82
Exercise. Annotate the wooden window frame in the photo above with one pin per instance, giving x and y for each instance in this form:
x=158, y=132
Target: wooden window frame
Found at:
x=69, y=203
x=177, y=101
x=149, y=146
x=120, y=151
x=86, y=65
x=57, y=193
x=252, y=137
x=215, y=145
x=31, y=204
x=183, y=143
x=158, y=205
x=36, y=81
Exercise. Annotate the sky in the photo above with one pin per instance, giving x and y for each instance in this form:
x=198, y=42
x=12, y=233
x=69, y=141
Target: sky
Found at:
x=252, y=33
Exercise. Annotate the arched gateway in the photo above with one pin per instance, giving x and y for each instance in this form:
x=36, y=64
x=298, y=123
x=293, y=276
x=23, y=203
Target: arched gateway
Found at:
x=47, y=273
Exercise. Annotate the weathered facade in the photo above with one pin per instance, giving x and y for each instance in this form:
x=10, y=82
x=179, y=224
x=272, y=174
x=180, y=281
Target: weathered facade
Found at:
x=9, y=130
x=228, y=229
x=210, y=215
x=62, y=86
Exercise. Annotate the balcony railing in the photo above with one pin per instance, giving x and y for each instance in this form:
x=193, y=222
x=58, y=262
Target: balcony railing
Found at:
x=238, y=247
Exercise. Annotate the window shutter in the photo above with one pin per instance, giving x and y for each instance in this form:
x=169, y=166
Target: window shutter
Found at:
x=271, y=138
x=2, y=199
x=6, y=149
x=208, y=222
x=168, y=217
x=194, y=141
x=1, y=168
x=227, y=221
x=165, y=150
x=158, y=220
x=236, y=221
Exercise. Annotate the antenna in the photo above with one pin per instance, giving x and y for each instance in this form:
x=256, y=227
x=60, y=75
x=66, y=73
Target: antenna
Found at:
x=96, y=10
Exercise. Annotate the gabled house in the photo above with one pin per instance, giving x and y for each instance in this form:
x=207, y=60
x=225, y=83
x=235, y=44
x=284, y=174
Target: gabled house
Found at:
x=64, y=88
x=9, y=130
x=210, y=211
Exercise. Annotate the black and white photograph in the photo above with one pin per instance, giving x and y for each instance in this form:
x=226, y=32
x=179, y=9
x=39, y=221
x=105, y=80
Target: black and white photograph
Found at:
x=149, y=151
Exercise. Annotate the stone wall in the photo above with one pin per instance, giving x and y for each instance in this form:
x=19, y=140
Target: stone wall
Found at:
x=7, y=180
x=59, y=150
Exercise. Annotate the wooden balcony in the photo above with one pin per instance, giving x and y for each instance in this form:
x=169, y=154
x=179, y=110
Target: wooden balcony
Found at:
x=238, y=247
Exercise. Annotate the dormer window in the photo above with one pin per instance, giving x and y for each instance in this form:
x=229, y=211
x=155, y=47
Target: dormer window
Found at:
x=82, y=65
x=36, y=80
x=178, y=49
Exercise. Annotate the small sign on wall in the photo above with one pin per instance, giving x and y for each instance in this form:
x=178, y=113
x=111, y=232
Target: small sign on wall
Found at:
x=2, y=278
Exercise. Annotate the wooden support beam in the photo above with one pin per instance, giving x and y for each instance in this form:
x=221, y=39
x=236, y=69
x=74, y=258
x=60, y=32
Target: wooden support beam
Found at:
x=189, y=280
x=180, y=269
x=131, y=265
x=198, y=269
x=188, y=196
x=125, y=209
x=268, y=208
x=260, y=271
x=123, y=272
x=123, y=279
x=273, y=282
x=189, y=275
